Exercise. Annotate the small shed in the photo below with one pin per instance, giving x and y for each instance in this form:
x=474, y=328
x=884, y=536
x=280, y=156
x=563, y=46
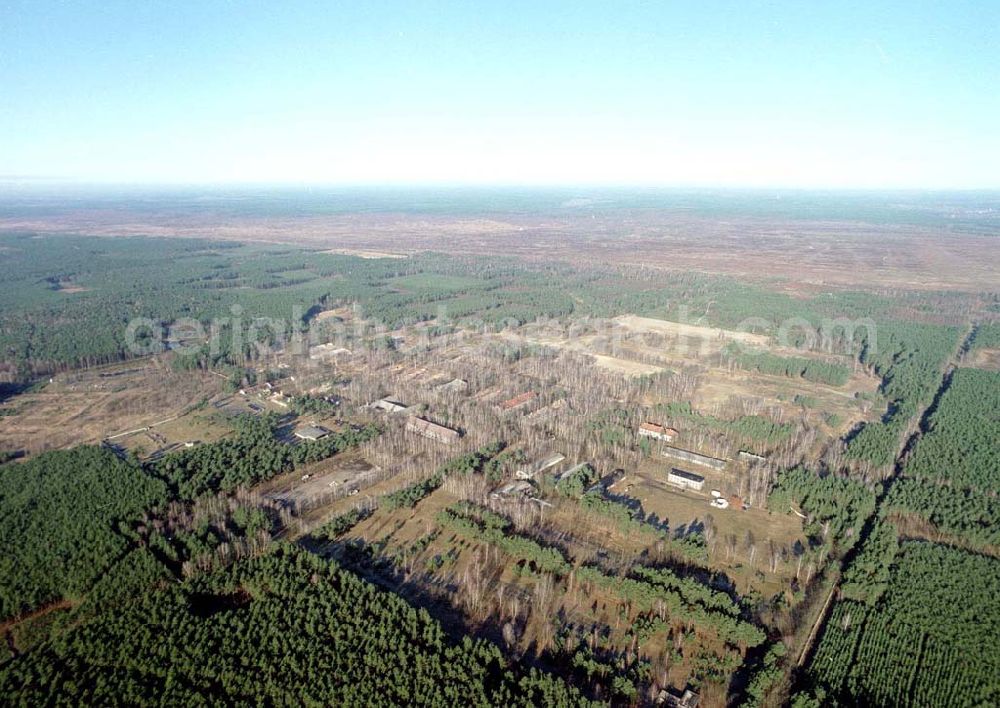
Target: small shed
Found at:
x=687, y=699
x=389, y=406
x=657, y=432
x=685, y=479
x=455, y=386
x=518, y=401
x=514, y=489
x=311, y=432
x=694, y=457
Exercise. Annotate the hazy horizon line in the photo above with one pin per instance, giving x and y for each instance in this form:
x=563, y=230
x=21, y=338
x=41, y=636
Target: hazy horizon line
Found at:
x=55, y=183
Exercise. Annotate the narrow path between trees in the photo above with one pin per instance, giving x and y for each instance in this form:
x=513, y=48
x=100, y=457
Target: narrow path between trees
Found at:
x=7, y=627
x=917, y=428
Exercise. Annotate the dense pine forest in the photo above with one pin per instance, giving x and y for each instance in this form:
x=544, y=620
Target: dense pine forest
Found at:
x=929, y=639
x=915, y=623
x=284, y=628
x=68, y=514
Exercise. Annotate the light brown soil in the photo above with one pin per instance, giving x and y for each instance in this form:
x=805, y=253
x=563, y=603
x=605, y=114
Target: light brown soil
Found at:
x=804, y=254
x=693, y=332
x=986, y=359
x=89, y=405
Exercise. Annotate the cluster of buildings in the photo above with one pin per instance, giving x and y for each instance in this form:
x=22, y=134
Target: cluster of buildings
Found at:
x=689, y=480
x=415, y=424
x=268, y=392
x=442, y=433
x=678, y=477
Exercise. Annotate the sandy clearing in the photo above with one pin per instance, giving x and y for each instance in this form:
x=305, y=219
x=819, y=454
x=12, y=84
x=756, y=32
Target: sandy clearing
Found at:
x=986, y=359
x=364, y=253
x=583, y=345
x=677, y=329
x=623, y=366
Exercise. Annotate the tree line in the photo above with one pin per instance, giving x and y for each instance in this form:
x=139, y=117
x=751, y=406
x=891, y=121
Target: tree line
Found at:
x=816, y=370
x=255, y=453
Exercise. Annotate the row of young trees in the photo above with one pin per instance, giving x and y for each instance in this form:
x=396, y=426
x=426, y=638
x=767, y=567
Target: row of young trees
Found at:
x=470, y=463
x=494, y=529
x=680, y=600
x=645, y=596
x=817, y=370
x=691, y=590
x=926, y=639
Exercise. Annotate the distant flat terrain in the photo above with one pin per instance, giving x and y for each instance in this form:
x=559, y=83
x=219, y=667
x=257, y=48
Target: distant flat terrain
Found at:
x=903, y=241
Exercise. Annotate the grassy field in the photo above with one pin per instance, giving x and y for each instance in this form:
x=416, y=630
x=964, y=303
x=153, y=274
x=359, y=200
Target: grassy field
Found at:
x=434, y=283
x=88, y=406
x=685, y=509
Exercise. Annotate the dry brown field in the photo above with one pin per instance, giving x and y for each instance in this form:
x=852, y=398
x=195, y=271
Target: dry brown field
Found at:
x=89, y=405
x=797, y=255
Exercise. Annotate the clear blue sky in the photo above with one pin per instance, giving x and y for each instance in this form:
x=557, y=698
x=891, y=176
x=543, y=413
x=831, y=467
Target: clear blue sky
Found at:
x=785, y=93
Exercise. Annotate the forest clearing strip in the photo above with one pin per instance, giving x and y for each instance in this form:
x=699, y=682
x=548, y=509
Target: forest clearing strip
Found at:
x=817, y=625
x=7, y=626
x=909, y=442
